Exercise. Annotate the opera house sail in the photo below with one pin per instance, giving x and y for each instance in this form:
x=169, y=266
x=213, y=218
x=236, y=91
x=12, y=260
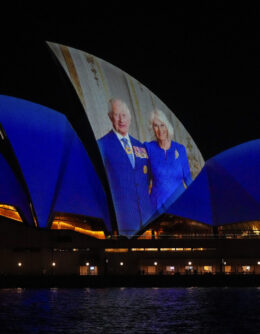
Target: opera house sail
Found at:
x=55, y=174
x=149, y=157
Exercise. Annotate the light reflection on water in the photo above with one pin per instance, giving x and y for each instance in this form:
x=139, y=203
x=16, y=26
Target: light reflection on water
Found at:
x=130, y=310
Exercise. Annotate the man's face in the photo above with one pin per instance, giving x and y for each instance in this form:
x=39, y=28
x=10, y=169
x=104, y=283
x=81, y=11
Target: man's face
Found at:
x=120, y=118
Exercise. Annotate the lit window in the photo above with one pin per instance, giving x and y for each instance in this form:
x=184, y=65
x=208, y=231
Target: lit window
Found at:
x=227, y=269
x=151, y=249
x=189, y=268
x=151, y=270
x=83, y=270
x=167, y=249
x=207, y=269
x=116, y=250
x=170, y=268
x=246, y=268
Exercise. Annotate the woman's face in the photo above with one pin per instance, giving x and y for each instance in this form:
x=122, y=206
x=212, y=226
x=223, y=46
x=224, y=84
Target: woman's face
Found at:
x=160, y=129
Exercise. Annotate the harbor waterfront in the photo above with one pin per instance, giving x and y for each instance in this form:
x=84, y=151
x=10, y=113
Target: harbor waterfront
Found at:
x=65, y=220
x=29, y=256
x=130, y=310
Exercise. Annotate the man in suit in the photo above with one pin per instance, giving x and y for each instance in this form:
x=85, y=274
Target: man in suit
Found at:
x=127, y=167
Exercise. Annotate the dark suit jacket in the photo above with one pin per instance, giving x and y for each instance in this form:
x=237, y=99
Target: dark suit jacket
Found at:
x=129, y=186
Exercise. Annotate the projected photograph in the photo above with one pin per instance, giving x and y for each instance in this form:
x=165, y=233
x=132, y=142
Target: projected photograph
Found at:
x=149, y=157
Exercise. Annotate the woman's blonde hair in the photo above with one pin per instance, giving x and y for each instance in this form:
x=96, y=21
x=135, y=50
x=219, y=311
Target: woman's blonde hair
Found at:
x=156, y=113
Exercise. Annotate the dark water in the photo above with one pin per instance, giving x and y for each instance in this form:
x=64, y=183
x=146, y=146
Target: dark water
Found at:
x=130, y=310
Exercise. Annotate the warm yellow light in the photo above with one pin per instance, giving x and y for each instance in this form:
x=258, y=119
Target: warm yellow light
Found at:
x=19, y=264
x=155, y=263
x=95, y=234
x=151, y=249
x=227, y=269
x=255, y=230
x=62, y=225
x=87, y=264
x=189, y=263
x=146, y=235
x=121, y=263
x=137, y=249
x=53, y=264
x=116, y=250
x=207, y=268
x=9, y=211
x=167, y=249
x=245, y=268
x=5, y=206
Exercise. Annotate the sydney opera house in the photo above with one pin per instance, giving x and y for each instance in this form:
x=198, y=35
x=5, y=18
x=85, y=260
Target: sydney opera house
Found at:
x=134, y=196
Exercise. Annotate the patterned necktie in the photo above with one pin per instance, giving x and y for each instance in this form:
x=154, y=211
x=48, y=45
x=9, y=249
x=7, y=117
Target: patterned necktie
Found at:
x=129, y=151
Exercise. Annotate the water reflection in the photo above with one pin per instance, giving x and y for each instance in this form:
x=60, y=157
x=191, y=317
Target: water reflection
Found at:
x=130, y=310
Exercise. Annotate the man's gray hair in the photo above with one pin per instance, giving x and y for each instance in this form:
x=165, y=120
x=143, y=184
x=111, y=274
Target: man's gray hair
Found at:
x=123, y=106
x=156, y=113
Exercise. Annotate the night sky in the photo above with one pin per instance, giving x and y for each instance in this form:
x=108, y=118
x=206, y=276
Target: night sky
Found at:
x=202, y=61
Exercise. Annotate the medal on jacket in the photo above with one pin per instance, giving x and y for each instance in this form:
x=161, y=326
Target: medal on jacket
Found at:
x=176, y=154
x=145, y=169
x=140, y=152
